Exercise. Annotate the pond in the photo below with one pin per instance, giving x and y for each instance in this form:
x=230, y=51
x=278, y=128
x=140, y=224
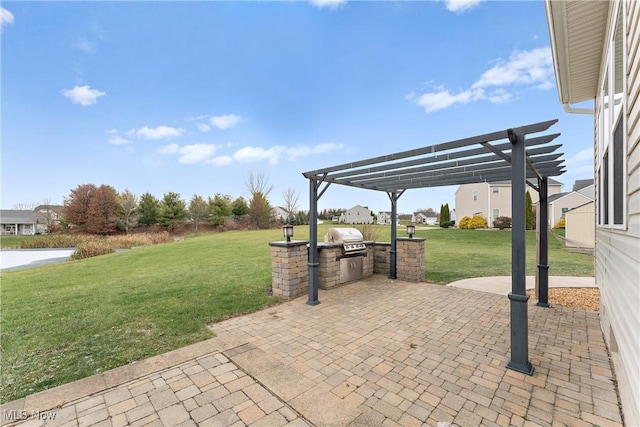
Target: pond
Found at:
x=26, y=258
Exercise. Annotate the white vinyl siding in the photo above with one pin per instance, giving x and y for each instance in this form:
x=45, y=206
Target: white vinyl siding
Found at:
x=618, y=235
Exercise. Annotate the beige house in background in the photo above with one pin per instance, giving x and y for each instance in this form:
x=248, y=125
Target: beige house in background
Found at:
x=357, y=215
x=491, y=200
x=580, y=231
x=561, y=203
x=596, y=55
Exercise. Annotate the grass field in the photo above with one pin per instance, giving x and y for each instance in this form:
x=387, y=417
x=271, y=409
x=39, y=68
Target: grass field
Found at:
x=67, y=321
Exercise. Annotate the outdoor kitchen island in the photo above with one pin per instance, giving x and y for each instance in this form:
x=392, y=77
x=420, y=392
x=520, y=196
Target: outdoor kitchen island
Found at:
x=344, y=257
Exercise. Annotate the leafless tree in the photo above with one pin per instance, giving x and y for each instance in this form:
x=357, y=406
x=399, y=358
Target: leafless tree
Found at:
x=128, y=204
x=290, y=201
x=258, y=184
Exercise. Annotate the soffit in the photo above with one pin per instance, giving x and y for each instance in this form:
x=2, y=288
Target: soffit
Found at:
x=577, y=30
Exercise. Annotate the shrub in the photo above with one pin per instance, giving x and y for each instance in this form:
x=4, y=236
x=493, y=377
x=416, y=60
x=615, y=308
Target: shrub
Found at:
x=91, y=248
x=502, y=222
x=472, y=223
x=447, y=224
x=369, y=232
x=561, y=223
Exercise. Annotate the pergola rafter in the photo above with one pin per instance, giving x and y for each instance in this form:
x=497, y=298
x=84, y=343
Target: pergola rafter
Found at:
x=523, y=160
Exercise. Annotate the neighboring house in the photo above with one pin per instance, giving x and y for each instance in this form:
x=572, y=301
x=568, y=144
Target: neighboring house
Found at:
x=429, y=218
x=580, y=226
x=357, y=215
x=279, y=213
x=561, y=203
x=585, y=187
x=47, y=215
x=491, y=200
x=596, y=51
x=18, y=222
x=384, y=218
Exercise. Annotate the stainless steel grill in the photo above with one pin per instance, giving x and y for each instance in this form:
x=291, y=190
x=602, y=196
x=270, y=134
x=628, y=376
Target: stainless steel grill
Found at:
x=350, y=238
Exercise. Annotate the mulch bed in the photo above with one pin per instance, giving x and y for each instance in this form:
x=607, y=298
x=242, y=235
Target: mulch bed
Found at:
x=585, y=298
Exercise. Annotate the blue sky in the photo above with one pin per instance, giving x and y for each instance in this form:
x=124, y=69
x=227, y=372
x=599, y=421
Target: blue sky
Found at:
x=193, y=97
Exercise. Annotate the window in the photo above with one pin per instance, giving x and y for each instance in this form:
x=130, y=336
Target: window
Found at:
x=475, y=195
x=610, y=159
x=618, y=174
x=495, y=190
x=564, y=211
x=495, y=213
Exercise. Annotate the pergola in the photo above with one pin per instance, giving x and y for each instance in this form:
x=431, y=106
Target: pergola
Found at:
x=506, y=155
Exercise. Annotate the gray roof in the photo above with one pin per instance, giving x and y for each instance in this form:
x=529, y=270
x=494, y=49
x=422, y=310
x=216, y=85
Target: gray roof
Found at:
x=582, y=183
x=463, y=161
x=14, y=216
x=554, y=197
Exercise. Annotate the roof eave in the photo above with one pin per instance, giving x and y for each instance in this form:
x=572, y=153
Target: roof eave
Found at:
x=565, y=44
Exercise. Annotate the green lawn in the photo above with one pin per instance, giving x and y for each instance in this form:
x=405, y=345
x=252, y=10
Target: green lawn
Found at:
x=67, y=321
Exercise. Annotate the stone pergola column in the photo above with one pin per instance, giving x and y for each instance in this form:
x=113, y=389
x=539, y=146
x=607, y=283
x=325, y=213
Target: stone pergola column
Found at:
x=289, y=273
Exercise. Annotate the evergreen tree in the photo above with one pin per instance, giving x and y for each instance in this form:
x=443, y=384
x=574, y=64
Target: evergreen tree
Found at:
x=148, y=209
x=239, y=207
x=529, y=218
x=220, y=208
x=173, y=211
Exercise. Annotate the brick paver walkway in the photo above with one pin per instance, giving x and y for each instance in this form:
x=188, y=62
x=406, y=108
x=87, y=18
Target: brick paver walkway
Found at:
x=376, y=352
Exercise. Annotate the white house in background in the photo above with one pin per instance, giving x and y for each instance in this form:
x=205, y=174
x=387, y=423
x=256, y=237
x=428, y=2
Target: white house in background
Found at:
x=278, y=213
x=384, y=218
x=429, y=218
x=18, y=222
x=579, y=228
x=491, y=200
x=357, y=215
x=561, y=203
x=596, y=54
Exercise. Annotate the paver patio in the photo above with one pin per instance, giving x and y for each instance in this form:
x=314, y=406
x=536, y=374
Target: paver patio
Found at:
x=375, y=352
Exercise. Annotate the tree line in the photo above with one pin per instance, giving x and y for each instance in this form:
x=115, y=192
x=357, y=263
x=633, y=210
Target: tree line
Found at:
x=104, y=210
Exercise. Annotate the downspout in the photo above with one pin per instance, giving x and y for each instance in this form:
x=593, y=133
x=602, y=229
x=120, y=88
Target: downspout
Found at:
x=573, y=110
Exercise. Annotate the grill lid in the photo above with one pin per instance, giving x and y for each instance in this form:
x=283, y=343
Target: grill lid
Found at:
x=343, y=235
x=351, y=239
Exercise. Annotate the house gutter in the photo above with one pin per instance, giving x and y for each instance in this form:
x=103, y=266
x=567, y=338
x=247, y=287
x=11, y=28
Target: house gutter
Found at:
x=573, y=110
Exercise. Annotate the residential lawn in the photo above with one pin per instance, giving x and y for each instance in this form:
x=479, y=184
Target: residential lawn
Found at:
x=67, y=321
x=453, y=254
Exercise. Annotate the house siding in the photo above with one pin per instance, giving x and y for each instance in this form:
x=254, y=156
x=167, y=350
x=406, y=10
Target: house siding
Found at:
x=569, y=201
x=618, y=249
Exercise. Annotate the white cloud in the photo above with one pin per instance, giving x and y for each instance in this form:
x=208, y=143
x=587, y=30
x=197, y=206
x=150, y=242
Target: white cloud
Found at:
x=196, y=153
x=532, y=68
x=159, y=132
x=169, y=149
x=329, y=4
x=83, y=95
x=460, y=6
x=118, y=140
x=6, y=17
x=86, y=46
x=203, y=127
x=302, y=151
x=256, y=154
x=226, y=121
x=112, y=132
x=221, y=160
x=581, y=162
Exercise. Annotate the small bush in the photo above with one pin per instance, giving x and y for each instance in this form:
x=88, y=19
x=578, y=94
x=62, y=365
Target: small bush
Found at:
x=369, y=232
x=502, y=222
x=447, y=224
x=476, y=221
x=561, y=223
x=90, y=249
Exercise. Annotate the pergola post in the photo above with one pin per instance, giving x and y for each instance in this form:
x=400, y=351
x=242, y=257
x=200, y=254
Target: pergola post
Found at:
x=542, y=286
x=313, y=243
x=394, y=234
x=518, y=295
